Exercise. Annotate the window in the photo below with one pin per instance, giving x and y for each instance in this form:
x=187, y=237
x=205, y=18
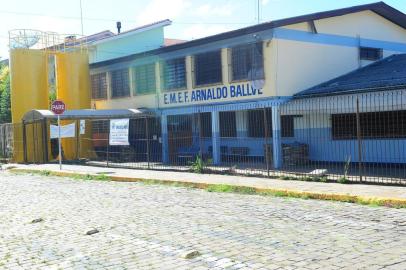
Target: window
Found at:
x=256, y=124
x=228, y=125
x=287, y=126
x=208, y=68
x=145, y=79
x=371, y=54
x=99, y=86
x=174, y=74
x=120, y=86
x=247, y=62
x=391, y=124
x=205, y=125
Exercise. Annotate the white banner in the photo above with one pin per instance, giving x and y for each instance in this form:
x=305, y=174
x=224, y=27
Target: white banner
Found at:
x=119, y=131
x=67, y=131
x=82, y=127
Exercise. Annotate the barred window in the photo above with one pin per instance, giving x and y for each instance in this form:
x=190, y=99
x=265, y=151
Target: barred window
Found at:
x=256, y=124
x=205, y=125
x=371, y=54
x=373, y=125
x=145, y=79
x=228, y=124
x=99, y=86
x=208, y=68
x=120, y=86
x=247, y=62
x=174, y=74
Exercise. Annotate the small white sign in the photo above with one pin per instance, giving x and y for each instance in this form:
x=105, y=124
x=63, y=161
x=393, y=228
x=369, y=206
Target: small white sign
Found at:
x=82, y=127
x=119, y=131
x=67, y=131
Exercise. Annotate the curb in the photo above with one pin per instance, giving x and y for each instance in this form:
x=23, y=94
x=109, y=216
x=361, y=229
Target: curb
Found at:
x=358, y=199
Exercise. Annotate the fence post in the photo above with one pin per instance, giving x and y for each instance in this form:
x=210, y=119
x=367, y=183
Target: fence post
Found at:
x=108, y=146
x=25, y=142
x=199, y=127
x=266, y=141
x=164, y=138
x=215, y=128
x=147, y=137
x=276, y=137
x=45, y=139
x=359, y=139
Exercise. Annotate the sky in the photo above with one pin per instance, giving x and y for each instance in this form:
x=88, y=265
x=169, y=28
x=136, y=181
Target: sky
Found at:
x=191, y=18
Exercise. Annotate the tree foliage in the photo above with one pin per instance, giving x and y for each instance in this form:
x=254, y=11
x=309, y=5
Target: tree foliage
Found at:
x=5, y=102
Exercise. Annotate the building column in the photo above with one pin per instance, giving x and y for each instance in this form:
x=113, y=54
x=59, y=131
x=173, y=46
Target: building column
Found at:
x=164, y=138
x=276, y=137
x=215, y=129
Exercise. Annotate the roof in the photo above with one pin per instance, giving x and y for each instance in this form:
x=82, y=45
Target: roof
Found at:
x=135, y=30
x=380, y=8
x=388, y=73
x=37, y=115
x=173, y=41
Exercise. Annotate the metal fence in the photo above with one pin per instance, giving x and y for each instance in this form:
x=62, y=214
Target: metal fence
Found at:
x=356, y=138
x=6, y=141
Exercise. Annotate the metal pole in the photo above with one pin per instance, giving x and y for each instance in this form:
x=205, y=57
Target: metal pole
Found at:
x=108, y=146
x=147, y=142
x=77, y=129
x=81, y=16
x=59, y=143
x=258, y=8
x=199, y=126
x=25, y=142
x=266, y=142
x=359, y=142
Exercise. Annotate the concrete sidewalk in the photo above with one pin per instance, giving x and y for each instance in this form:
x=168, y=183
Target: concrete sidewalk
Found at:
x=119, y=174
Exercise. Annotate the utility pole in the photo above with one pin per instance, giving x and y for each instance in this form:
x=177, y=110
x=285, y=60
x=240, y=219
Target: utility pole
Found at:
x=81, y=16
x=258, y=8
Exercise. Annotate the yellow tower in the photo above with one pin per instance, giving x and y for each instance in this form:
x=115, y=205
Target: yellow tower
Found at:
x=34, y=55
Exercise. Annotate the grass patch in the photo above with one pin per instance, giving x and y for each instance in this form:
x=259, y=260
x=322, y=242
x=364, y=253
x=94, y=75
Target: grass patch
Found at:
x=99, y=177
x=231, y=189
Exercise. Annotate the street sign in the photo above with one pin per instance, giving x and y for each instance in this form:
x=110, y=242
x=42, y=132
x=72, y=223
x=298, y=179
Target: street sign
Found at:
x=58, y=107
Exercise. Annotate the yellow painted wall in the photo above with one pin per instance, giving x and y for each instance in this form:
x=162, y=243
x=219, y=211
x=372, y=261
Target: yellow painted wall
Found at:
x=29, y=90
x=367, y=24
x=302, y=65
x=73, y=88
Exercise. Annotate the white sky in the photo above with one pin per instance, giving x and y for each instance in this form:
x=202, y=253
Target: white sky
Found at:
x=191, y=18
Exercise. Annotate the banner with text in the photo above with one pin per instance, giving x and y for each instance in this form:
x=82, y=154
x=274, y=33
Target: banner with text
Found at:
x=119, y=132
x=67, y=131
x=236, y=91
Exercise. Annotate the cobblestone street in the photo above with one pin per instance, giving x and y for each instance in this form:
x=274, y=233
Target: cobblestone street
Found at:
x=150, y=227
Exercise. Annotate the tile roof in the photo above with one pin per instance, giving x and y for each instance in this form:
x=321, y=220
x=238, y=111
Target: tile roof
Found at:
x=388, y=73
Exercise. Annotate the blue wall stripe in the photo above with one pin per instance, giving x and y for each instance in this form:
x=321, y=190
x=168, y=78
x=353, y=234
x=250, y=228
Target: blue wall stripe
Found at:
x=329, y=39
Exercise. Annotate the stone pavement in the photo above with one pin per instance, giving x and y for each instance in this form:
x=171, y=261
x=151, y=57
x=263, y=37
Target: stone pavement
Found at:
x=149, y=227
x=373, y=191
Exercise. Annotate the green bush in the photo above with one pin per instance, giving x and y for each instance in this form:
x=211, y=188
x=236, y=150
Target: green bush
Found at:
x=199, y=165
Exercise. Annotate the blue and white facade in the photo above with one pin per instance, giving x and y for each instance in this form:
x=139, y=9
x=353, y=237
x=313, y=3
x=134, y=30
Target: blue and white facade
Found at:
x=254, y=73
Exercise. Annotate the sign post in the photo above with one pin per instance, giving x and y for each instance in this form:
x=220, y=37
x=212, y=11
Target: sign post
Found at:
x=58, y=108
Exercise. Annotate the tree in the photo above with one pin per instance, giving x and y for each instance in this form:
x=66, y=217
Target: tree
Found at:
x=5, y=101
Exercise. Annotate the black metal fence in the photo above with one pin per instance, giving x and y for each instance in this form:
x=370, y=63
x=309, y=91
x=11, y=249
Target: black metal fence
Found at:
x=6, y=141
x=355, y=138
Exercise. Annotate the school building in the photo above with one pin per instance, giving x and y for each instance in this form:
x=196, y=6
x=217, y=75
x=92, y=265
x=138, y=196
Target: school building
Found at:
x=322, y=92
x=237, y=97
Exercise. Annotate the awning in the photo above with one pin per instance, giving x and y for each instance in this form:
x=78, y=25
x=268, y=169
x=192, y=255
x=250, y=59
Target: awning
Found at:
x=38, y=115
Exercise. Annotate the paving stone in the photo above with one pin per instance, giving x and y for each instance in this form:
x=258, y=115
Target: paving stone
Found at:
x=148, y=227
